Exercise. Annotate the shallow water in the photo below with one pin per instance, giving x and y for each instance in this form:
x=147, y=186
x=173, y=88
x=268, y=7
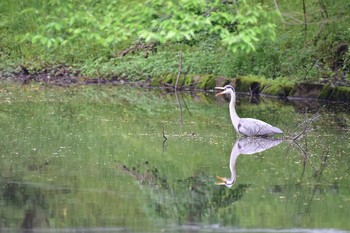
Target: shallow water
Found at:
x=115, y=159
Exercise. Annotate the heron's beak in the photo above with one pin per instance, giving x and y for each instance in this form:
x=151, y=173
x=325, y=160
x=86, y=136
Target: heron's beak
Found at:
x=220, y=93
x=222, y=182
x=220, y=88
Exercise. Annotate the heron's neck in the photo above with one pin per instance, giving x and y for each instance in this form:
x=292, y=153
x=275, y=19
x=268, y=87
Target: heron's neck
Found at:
x=234, y=155
x=233, y=171
x=233, y=113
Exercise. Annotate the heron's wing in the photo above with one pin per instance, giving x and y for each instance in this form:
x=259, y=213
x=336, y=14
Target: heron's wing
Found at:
x=254, y=127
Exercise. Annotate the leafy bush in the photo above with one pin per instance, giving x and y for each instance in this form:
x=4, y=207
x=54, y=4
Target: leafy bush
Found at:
x=216, y=37
x=108, y=24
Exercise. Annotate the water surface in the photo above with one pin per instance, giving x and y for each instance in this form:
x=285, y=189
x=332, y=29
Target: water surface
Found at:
x=113, y=159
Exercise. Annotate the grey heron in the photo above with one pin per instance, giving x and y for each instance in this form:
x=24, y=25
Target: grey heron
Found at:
x=247, y=126
x=246, y=146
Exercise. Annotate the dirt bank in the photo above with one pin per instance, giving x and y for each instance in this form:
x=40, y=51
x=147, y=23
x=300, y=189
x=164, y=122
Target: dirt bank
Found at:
x=62, y=76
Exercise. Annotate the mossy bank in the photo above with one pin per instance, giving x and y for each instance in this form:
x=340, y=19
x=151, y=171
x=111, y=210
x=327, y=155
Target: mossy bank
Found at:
x=255, y=85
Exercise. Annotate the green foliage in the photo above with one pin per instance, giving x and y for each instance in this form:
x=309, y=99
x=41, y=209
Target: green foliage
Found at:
x=175, y=20
x=105, y=23
x=207, y=82
x=88, y=35
x=239, y=26
x=326, y=92
x=108, y=24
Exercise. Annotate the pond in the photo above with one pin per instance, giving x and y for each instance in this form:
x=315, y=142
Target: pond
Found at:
x=116, y=159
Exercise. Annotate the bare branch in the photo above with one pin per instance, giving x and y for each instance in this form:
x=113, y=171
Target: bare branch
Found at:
x=176, y=86
x=305, y=21
x=179, y=72
x=306, y=124
x=277, y=8
x=165, y=138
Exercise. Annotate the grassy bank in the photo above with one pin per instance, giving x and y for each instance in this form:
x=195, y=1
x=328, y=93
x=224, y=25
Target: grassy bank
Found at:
x=311, y=46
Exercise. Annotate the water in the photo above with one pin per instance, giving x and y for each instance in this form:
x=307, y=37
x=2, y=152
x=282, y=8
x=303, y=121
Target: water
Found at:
x=115, y=159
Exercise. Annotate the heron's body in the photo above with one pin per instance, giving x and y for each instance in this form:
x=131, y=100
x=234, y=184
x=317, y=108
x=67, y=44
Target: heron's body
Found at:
x=247, y=126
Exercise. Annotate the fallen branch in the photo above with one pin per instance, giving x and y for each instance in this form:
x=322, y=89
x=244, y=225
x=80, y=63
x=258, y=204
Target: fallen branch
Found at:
x=306, y=124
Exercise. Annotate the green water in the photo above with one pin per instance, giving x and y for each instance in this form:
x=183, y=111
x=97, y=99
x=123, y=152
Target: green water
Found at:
x=116, y=159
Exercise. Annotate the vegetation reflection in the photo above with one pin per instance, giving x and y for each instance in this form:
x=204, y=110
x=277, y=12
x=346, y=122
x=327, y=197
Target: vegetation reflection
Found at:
x=93, y=157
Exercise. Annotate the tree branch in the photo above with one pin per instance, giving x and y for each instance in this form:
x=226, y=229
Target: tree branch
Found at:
x=176, y=87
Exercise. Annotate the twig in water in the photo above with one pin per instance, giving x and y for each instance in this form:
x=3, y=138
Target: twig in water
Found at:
x=180, y=107
x=306, y=124
x=186, y=107
x=165, y=138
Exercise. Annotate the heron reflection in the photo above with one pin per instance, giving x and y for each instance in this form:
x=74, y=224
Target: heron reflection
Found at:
x=248, y=145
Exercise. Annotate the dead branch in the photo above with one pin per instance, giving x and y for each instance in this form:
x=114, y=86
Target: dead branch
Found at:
x=186, y=106
x=324, y=11
x=305, y=22
x=306, y=125
x=180, y=70
x=165, y=138
x=146, y=48
x=176, y=86
x=278, y=9
x=265, y=87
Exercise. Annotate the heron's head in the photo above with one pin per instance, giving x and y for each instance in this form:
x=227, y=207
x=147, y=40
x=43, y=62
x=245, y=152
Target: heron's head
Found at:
x=225, y=181
x=228, y=89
